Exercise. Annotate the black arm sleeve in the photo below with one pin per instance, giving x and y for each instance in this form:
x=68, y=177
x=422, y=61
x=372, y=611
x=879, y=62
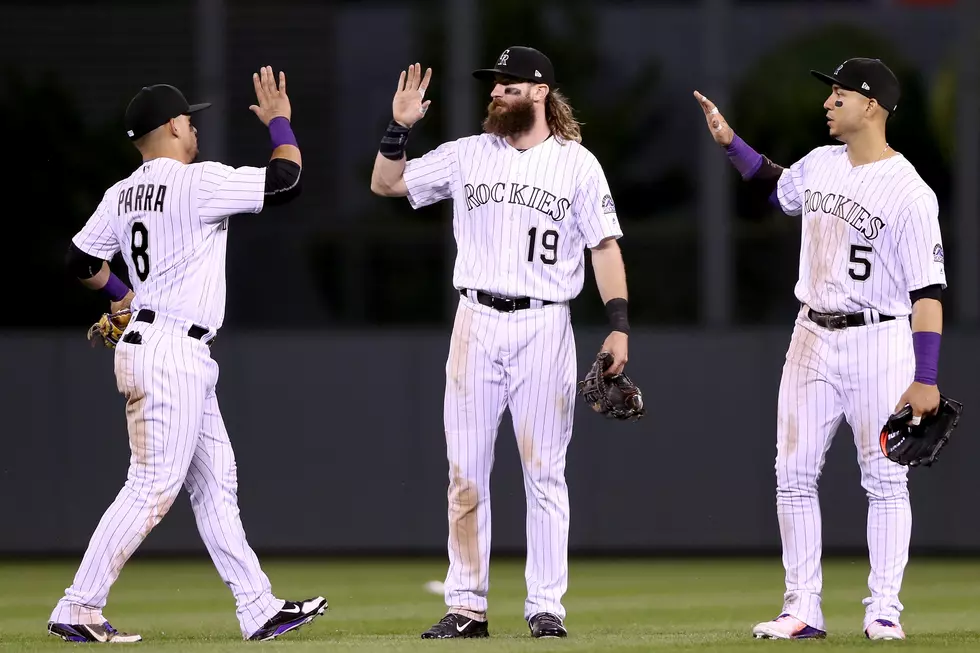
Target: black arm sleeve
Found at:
x=282, y=181
x=767, y=177
x=80, y=264
x=760, y=173
x=935, y=291
x=761, y=187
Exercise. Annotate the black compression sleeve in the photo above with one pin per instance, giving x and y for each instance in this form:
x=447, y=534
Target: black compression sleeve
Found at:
x=282, y=181
x=935, y=291
x=80, y=264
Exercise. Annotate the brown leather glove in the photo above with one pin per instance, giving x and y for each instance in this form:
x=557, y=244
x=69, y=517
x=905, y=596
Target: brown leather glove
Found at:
x=110, y=328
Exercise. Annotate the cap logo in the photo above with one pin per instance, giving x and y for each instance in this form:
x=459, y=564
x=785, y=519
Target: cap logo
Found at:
x=865, y=86
x=130, y=133
x=837, y=70
x=537, y=73
x=502, y=61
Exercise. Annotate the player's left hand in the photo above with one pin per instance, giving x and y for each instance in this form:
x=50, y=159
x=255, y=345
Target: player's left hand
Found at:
x=110, y=327
x=717, y=125
x=924, y=400
x=617, y=345
x=271, y=100
x=115, y=307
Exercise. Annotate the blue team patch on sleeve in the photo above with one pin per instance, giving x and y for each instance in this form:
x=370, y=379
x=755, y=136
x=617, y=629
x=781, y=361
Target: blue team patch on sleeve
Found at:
x=607, y=204
x=937, y=253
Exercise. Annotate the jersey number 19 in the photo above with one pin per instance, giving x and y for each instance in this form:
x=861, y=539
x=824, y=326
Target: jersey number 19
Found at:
x=549, y=243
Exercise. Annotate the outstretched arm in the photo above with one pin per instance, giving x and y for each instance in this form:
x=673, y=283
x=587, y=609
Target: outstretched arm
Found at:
x=754, y=167
x=273, y=108
x=407, y=107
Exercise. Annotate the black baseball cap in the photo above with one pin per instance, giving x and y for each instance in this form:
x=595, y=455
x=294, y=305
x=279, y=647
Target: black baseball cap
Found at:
x=154, y=106
x=869, y=77
x=523, y=63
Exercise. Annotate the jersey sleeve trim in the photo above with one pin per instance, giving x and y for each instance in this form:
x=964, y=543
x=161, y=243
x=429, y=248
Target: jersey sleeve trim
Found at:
x=429, y=178
x=595, y=211
x=225, y=191
x=97, y=238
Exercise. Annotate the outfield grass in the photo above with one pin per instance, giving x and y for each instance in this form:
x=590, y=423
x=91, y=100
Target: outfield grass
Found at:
x=621, y=605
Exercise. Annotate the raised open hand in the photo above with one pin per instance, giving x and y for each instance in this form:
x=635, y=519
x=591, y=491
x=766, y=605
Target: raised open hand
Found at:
x=408, y=107
x=272, y=101
x=717, y=125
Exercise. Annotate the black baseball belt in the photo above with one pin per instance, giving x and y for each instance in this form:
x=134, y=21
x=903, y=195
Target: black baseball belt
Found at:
x=842, y=320
x=195, y=331
x=503, y=304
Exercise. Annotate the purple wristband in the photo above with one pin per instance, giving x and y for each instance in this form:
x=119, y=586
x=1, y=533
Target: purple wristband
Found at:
x=926, y=346
x=115, y=288
x=746, y=160
x=281, y=132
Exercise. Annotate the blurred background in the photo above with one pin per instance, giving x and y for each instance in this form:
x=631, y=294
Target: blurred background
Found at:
x=340, y=305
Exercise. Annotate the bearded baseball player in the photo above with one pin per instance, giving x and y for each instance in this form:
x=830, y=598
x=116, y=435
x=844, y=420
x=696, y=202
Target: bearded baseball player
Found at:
x=170, y=221
x=871, y=257
x=528, y=199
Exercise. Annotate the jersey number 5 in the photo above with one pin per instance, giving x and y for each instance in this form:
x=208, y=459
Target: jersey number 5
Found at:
x=140, y=241
x=549, y=243
x=863, y=262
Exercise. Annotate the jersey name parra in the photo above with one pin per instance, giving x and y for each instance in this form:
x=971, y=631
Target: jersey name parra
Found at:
x=169, y=220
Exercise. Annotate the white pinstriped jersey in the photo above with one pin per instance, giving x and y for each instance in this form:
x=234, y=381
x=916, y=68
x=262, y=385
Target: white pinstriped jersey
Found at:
x=169, y=220
x=521, y=219
x=870, y=233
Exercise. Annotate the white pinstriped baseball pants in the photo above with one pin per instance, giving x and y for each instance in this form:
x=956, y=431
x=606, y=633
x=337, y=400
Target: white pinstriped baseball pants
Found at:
x=525, y=361
x=177, y=437
x=857, y=374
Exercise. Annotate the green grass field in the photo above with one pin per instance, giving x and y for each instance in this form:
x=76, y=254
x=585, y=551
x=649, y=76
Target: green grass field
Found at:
x=616, y=605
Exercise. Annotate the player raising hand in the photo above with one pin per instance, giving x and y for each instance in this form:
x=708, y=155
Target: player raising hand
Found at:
x=720, y=131
x=528, y=200
x=409, y=104
x=871, y=256
x=169, y=220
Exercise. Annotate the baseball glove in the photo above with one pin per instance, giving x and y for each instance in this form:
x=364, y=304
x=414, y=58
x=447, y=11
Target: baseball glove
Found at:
x=110, y=328
x=616, y=396
x=919, y=444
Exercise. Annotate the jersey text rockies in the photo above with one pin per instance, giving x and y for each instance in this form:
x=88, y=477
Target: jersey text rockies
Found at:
x=531, y=196
x=846, y=209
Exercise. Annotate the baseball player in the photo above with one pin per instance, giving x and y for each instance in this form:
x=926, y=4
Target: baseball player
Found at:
x=169, y=219
x=528, y=198
x=871, y=256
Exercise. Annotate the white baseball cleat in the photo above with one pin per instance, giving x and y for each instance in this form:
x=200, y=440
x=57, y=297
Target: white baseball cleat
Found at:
x=786, y=626
x=884, y=629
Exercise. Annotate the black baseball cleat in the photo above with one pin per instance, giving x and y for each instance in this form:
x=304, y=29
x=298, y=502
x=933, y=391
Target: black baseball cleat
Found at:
x=456, y=625
x=292, y=615
x=103, y=633
x=545, y=624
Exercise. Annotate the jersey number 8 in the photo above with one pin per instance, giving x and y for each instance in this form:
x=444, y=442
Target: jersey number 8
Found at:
x=140, y=242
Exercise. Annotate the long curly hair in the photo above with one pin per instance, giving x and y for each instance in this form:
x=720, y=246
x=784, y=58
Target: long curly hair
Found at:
x=561, y=119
